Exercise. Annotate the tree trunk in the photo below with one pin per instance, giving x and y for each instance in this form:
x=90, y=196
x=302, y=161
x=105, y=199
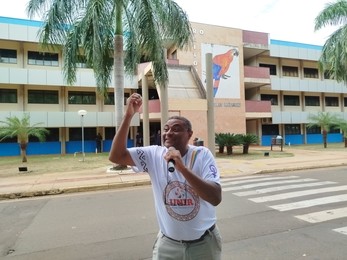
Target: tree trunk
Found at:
x=221, y=149
x=345, y=141
x=229, y=150
x=245, y=148
x=325, y=138
x=23, y=151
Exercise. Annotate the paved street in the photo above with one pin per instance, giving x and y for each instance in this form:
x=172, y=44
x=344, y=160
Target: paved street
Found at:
x=288, y=215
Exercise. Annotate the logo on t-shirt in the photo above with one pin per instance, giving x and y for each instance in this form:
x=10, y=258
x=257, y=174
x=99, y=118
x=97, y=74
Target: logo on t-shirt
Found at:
x=182, y=203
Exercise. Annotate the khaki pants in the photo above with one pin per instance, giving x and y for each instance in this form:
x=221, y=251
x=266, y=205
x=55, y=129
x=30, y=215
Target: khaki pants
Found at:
x=208, y=249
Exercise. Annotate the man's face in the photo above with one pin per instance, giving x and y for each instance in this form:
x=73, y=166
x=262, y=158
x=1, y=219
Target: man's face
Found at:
x=176, y=134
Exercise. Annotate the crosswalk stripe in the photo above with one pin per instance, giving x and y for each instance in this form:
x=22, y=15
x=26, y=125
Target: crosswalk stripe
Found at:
x=310, y=203
x=325, y=215
x=261, y=184
x=232, y=182
x=342, y=230
x=244, y=177
x=285, y=187
x=298, y=194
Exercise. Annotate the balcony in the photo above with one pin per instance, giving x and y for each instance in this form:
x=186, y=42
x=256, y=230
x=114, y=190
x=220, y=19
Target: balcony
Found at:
x=256, y=77
x=258, y=109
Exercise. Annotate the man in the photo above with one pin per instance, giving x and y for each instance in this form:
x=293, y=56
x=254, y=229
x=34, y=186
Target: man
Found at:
x=185, y=196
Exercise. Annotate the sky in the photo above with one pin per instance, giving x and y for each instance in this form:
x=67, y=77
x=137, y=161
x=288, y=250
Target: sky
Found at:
x=286, y=20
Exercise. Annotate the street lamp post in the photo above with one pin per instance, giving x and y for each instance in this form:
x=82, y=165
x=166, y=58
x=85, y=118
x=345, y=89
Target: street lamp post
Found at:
x=82, y=113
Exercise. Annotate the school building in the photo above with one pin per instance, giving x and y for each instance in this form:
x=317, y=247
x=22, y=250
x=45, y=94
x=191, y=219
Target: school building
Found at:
x=261, y=86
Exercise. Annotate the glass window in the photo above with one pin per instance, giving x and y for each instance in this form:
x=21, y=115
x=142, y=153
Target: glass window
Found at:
x=110, y=132
x=270, y=129
x=310, y=73
x=268, y=97
x=290, y=71
x=345, y=101
x=82, y=62
x=313, y=130
x=43, y=59
x=75, y=134
x=312, y=101
x=52, y=136
x=110, y=98
x=43, y=97
x=81, y=97
x=272, y=68
x=332, y=101
x=8, y=56
x=293, y=129
x=290, y=100
x=9, y=140
x=8, y=96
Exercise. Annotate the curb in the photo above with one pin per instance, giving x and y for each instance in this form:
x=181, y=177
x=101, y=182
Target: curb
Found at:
x=38, y=193
x=112, y=186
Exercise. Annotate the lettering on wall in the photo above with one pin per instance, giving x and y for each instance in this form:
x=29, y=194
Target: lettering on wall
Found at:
x=201, y=32
x=227, y=104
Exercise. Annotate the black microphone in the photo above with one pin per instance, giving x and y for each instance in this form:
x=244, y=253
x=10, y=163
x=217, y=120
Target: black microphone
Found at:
x=171, y=162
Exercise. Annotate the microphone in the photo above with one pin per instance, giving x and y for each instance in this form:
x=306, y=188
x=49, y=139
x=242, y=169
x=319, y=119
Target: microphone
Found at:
x=171, y=162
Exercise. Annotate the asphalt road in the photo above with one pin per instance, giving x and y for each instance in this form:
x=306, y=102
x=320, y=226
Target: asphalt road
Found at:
x=261, y=217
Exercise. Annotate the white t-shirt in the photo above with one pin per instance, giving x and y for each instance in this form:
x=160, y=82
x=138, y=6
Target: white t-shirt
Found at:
x=181, y=213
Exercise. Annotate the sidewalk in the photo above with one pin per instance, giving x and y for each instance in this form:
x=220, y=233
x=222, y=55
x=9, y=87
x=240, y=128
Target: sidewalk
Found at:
x=25, y=185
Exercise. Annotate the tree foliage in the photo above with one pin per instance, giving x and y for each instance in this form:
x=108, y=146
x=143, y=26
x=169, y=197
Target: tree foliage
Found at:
x=21, y=128
x=333, y=60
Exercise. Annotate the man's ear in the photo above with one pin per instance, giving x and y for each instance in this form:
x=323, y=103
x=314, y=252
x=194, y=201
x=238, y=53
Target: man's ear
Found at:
x=190, y=134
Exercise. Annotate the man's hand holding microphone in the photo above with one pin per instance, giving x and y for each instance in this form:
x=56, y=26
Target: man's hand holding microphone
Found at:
x=174, y=159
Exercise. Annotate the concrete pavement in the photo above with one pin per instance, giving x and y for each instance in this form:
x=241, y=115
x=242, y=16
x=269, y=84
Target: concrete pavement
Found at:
x=24, y=185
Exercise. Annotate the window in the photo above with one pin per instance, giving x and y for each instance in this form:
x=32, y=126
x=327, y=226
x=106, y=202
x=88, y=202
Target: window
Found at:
x=312, y=101
x=75, y=134
x=8, y=95
x=328, y=75
x=8, y=56
x=345, y=101
x=334, y=130
x=110, y=98
x=43, y=97
x=82, y=62
x=43, y=59
x=268, y=97
x=332, y=101
x=9, y=140
x=270, y=129
x=313, y=130
x=272, y=68
x=289, y=100
x=293, y=129
x=52, y=136
x=310, y=73
x=80, y=97
x=290, y=71
x=110, y=132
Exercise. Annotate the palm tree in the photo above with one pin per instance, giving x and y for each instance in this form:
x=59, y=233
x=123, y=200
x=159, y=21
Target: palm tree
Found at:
x=247, y=140
x=325, y=121
x=342, y=125
x=333, y=60
x=220, y=140
x=20, y=128
x=95, y=29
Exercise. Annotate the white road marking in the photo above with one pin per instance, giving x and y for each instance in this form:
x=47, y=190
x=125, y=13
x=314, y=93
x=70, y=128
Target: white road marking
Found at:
x=285, y=187
x=342, y=230
x=324, y=215
x=261, y=184
x=298, y=194
x=310, y=203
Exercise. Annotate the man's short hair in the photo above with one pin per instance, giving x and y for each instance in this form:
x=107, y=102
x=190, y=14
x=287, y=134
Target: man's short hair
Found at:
x=186, y=122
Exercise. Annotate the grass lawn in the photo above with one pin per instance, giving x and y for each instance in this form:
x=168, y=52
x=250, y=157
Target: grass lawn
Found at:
x=45, y=164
